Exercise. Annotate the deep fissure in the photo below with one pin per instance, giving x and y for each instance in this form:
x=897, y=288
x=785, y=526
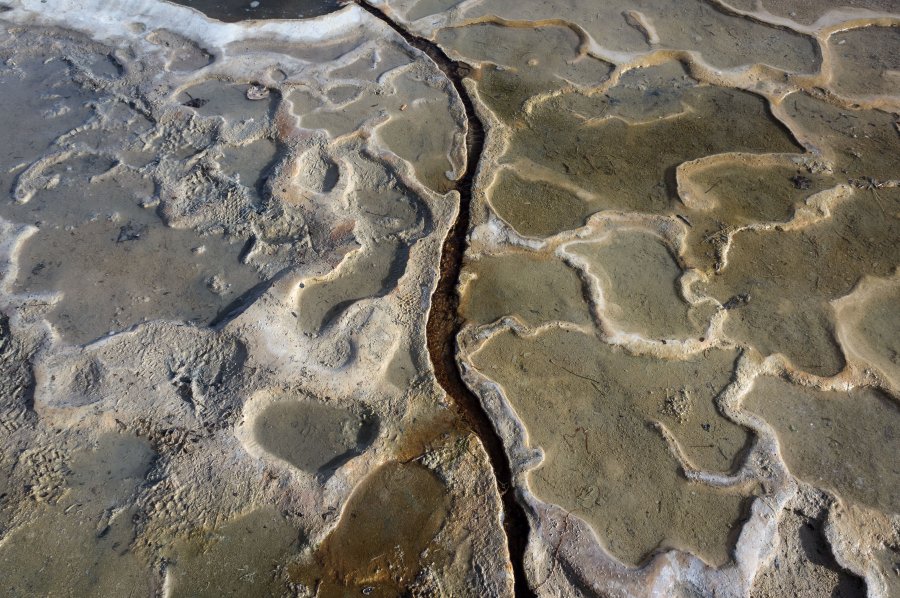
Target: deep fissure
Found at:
x=443, y=318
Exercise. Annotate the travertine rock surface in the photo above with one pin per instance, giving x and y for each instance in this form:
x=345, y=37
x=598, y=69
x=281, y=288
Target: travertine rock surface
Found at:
x=439, y=298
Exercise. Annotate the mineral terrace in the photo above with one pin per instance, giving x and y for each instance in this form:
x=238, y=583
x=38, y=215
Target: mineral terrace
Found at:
x=569, y=298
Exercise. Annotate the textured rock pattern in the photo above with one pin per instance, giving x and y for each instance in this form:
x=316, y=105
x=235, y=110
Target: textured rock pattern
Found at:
x=678, y=298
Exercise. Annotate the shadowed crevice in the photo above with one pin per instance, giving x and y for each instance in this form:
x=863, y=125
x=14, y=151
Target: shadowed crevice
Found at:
x=444, y=321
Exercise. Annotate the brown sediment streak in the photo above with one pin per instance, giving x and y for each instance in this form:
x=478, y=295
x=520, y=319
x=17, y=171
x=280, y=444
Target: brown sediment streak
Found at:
x=443, y=318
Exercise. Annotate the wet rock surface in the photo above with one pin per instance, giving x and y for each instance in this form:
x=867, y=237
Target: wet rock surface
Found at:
x=215, y=288
x=426, y=298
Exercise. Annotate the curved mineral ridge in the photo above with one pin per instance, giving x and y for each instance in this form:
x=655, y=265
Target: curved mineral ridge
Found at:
x=208, y=270
x=637, y=169
x=231, y=355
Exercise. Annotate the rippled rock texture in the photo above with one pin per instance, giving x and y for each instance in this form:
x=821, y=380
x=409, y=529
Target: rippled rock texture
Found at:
x=229, y=239
x=219, y=243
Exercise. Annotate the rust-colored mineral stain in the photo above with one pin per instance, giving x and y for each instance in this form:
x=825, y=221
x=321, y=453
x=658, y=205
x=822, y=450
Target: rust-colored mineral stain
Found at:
x=443, y=318
x=383, y=538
